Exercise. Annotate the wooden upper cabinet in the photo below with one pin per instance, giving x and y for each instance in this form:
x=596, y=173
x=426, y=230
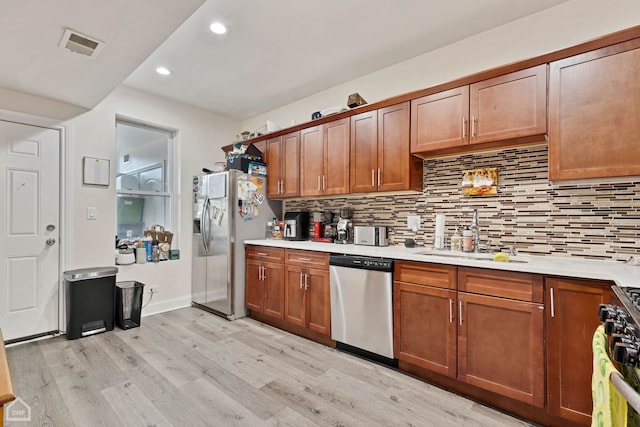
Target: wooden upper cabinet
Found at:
x=594, y=108
x=364, y=152
x=506, y=107
x=381, y=158
x=282, y=161
x=335, y=177
x=311, y=161
x=440, y=120
x=324, y=159
x=509, y=106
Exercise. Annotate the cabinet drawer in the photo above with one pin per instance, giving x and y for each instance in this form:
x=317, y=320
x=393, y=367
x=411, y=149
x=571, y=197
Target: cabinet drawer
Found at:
x=422, y=273
x=265, y=253
x=504, y=284
x=311, y=259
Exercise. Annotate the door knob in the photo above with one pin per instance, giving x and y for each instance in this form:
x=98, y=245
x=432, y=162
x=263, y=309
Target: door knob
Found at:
x=51, y=241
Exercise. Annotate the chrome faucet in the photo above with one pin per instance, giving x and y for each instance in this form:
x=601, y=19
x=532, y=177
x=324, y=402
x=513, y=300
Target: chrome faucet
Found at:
x=475, y=231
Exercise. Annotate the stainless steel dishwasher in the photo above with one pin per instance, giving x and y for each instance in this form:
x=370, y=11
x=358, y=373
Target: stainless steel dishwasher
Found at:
x=362, y=305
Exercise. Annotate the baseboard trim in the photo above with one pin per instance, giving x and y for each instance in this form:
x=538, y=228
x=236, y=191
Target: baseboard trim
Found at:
x=164, y=306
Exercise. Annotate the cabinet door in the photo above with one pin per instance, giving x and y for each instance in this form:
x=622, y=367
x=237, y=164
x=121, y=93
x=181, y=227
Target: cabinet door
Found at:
x=509, y=106
x=318, y=302
x=393, y=148
x=500, y=346
x=440, y=120
x=425, y=327
x=572, y=317
x=274, y=157
x=290, y=168
x=311, y=161
x=335, y=177
x=294, y=300
x=273, y=282
x=254, y=293
x=364, y=152
x=594, y=99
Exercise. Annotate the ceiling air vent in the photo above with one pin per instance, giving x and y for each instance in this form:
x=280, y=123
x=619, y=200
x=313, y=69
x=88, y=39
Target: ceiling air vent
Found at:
x=79, y=43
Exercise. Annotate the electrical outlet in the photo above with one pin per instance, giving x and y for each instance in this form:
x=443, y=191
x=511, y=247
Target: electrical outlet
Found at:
x=638, y=243
x=413, y=222
x=154, y=290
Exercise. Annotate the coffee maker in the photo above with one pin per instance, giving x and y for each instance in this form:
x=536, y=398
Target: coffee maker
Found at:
x=345, y=227
x=296, y=225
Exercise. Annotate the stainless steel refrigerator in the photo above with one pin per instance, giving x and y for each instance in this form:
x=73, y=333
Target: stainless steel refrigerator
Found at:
x=229, y=208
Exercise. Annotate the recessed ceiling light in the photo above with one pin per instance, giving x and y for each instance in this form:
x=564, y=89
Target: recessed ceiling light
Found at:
x=163, y=70
x=218, y=28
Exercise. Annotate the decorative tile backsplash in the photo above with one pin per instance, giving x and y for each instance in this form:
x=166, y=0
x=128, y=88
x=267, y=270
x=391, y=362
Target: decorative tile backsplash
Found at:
x=583, y=219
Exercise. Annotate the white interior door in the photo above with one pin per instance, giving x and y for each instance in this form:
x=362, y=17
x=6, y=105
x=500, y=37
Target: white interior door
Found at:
x=29, y=229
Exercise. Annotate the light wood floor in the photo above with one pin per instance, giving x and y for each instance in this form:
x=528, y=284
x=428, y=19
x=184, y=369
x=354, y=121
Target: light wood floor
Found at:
x=191, y=368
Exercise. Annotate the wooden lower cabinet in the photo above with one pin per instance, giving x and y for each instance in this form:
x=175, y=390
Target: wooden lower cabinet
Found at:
x=572, y=317
x=307, y=301
x=501, y=347
x=265, y=288
x=424, y=327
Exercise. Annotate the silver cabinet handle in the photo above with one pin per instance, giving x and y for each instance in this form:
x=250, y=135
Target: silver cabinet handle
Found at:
x=553, y=308
x=324, y=182
x=261, y=253
x=264, y=273
x=373, y=178
x=464, y=128
x=450, y=310
x=259, y=272
x=379, y=177
x=306, y=281
x=460, y=311
x=473, y=126
x=319, y=187
x=304, y=259
x=51, y=241
x=300, y=280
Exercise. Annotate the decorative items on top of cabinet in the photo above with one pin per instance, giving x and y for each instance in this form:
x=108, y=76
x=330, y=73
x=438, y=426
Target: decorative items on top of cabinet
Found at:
x=324, y=159
x=502, y=108
x=283, y=165
x=572, y=317
x=264, y=281
x=307, y=302
x=594, y=102
x=380, y=153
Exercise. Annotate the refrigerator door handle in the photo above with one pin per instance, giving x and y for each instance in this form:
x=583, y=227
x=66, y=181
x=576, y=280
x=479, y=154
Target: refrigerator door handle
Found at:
x=203, y=222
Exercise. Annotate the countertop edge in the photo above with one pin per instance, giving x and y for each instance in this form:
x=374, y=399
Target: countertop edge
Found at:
x=624, y=275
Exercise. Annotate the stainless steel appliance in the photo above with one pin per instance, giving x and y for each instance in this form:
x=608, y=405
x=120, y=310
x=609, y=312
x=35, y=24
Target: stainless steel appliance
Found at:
x=296, y=226
x=370, y=236
x=622, y=328
x=361, y=293
x=344, y=229
x=229, y=207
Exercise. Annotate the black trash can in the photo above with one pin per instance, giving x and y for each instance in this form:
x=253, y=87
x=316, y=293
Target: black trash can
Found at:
x=129, y=304
x=90, y=294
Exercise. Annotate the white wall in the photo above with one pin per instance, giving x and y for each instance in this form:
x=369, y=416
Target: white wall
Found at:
x=549, y=30
x=200, y=134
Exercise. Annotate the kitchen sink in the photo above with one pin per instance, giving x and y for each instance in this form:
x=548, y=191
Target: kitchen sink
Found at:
x=471, y=256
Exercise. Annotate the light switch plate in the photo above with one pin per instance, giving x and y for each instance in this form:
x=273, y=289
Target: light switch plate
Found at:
x=92, y=213
x=413, y=222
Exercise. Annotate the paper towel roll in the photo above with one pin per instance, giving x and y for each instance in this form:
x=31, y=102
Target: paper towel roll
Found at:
x=438, y=242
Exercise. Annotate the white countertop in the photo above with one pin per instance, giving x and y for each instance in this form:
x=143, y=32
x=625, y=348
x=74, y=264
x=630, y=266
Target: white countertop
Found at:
x=621, y=274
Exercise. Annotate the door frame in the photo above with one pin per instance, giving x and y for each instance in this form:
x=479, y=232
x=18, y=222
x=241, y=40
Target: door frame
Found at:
x=64, y=202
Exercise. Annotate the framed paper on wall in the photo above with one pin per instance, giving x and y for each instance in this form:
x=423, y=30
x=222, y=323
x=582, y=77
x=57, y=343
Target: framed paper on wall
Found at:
x=95, y=171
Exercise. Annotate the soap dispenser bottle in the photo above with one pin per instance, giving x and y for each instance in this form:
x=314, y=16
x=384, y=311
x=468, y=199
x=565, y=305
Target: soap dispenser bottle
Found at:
x=456, y=241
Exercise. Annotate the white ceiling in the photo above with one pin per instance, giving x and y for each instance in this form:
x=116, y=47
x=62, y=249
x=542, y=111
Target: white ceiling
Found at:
x=275, y=52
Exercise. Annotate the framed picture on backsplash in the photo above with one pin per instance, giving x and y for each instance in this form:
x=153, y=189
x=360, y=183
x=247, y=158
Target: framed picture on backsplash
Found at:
x=480, y=182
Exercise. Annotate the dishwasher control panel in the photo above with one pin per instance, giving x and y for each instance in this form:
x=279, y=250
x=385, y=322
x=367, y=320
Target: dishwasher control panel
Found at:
x=363, y=262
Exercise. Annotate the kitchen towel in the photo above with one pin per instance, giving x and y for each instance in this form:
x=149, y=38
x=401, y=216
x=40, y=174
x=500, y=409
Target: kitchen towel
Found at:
x=438, y=241
x=609, y=407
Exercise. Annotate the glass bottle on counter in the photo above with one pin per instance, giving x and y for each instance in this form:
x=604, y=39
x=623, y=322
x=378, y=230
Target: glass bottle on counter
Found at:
x=456, y=241
x=467, y=240
x=277, y=231
x=268, y=230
